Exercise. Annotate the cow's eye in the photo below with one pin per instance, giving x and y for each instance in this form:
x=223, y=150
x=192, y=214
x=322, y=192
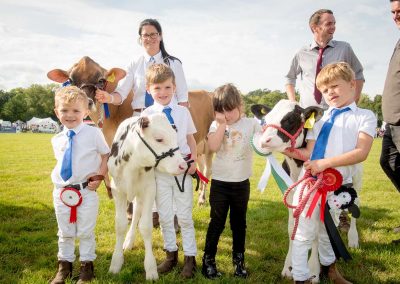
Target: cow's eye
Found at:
x=159, y=140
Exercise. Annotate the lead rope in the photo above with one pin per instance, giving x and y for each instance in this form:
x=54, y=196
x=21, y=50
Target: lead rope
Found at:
x=309, y=182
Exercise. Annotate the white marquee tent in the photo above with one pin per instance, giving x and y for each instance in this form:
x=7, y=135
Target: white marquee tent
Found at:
x=43, y=125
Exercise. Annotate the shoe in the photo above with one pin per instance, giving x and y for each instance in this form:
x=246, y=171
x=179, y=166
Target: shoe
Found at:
x=169, y=263
x=64, y=272
x=86, y=273
x=189, y=267
x=238, y=264
x=330, y=272
x=209, y=268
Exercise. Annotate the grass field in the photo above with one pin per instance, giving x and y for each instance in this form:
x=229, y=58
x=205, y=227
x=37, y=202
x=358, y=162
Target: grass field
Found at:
x=28, y=241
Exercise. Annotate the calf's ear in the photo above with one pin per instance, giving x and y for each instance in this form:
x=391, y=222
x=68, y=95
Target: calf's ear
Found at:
x=58, y=75
x=259, y=110
x=318, y=112
x=113, y=76
x=143, y=122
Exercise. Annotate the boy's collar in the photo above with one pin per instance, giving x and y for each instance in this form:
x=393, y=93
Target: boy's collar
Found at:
x=76, y=129
x=352, y=107
x=161, y=107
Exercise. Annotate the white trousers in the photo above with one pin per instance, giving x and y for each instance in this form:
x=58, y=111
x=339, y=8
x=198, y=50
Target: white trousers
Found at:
x=167, y=194
x=307, y=231
x=83, y=229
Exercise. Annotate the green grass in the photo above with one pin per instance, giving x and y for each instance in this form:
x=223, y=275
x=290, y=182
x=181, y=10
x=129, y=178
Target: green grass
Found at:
x=28, y=241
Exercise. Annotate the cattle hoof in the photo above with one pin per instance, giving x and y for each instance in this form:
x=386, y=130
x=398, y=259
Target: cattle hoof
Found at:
x=286, y=273
x=152, y=275
x=314, y=279
x=353, y=244
x=116, y=263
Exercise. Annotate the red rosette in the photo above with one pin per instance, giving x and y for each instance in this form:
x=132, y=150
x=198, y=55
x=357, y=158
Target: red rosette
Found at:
x=332, y=179
x=72, y=198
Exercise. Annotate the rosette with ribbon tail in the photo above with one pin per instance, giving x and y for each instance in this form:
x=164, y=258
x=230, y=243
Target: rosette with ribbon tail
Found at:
x=331, y=180
x=72, y=198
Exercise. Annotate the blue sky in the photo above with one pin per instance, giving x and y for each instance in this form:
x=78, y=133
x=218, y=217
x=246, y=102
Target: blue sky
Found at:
x=248, y=43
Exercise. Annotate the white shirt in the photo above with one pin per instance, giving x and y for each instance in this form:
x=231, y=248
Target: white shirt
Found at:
x=87, y=147
x=233, y=161
x=344, y=134
x=135, y=80
x=182, y=119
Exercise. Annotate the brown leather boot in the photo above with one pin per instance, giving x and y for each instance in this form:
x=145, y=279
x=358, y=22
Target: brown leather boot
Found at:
x=86, y=273
x=169, y=263
x=189, y=267
x=330, y=272
x=64, y=272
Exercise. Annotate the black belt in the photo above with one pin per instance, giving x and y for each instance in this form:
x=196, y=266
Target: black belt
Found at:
x=78, y=186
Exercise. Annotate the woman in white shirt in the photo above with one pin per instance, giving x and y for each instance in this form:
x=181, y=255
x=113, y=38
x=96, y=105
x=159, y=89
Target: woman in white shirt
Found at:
x=151, y=38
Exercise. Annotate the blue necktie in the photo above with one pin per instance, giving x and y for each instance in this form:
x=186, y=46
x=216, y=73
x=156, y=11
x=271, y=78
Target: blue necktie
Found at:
x=148, y=99
x=66, y=166
x=167, y=110
x=322, y=140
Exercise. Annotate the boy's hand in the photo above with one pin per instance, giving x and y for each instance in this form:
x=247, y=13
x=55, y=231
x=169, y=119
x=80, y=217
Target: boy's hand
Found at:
x=93, y=185
x=192, y=168
x=220, y=118
x=316, y=166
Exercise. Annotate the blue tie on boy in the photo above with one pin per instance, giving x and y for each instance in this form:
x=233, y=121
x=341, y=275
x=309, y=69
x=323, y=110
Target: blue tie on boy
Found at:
x=322, y=140
x=167, y=110
x=66, y=166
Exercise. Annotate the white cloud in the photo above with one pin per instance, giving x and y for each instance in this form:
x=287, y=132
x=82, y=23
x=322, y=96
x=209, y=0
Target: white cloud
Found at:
x=247, y=43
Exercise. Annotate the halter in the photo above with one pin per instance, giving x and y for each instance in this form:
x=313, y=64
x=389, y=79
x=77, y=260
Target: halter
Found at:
x=169, y=153
x=292, y=138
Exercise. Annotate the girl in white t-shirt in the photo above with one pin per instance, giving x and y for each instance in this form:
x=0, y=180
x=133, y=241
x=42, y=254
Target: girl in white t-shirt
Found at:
x=229, y=137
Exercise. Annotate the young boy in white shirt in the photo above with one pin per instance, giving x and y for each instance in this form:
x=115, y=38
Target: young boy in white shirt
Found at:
x=347, y=144
x=160, y=80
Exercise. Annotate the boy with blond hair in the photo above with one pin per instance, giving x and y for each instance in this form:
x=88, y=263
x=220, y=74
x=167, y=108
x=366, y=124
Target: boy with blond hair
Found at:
x=81, y=153
x=341, y=139
x=161, y=85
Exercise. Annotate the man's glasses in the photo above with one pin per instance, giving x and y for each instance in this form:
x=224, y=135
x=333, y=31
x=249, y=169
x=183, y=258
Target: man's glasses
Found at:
x=147, y=36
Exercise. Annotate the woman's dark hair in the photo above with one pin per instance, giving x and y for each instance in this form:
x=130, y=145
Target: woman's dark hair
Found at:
x=156, y=24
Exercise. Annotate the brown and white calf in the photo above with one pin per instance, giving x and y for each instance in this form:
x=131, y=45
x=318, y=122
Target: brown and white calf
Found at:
x=291, y=117
x=140, y=145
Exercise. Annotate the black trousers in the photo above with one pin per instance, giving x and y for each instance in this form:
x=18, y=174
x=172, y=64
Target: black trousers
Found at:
x=390, y=156
x=225, y=196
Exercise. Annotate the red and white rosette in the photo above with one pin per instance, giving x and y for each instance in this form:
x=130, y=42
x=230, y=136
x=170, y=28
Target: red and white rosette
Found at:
x=72, y=198
x=331, y=181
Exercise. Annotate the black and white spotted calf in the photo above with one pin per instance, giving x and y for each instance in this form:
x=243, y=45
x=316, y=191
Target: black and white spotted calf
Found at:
x=140, y=145
x=290, y=117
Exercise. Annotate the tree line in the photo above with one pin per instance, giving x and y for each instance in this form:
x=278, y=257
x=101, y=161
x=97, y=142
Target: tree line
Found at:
x=38, y=101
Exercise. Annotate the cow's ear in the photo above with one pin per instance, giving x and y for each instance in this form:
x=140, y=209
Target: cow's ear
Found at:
x=113, y=76
x=58, y=75
x=318, y=112
x=259, y=110
x=143, y=122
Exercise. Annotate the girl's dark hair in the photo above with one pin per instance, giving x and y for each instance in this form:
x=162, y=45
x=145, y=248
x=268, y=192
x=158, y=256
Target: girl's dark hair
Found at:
x=227, y=98
x=156, y=24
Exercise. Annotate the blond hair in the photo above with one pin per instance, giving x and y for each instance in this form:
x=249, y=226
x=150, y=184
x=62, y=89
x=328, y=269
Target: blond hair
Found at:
x=226, y=98
x=159, y=73
x=70, y=94
x=334, y=71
